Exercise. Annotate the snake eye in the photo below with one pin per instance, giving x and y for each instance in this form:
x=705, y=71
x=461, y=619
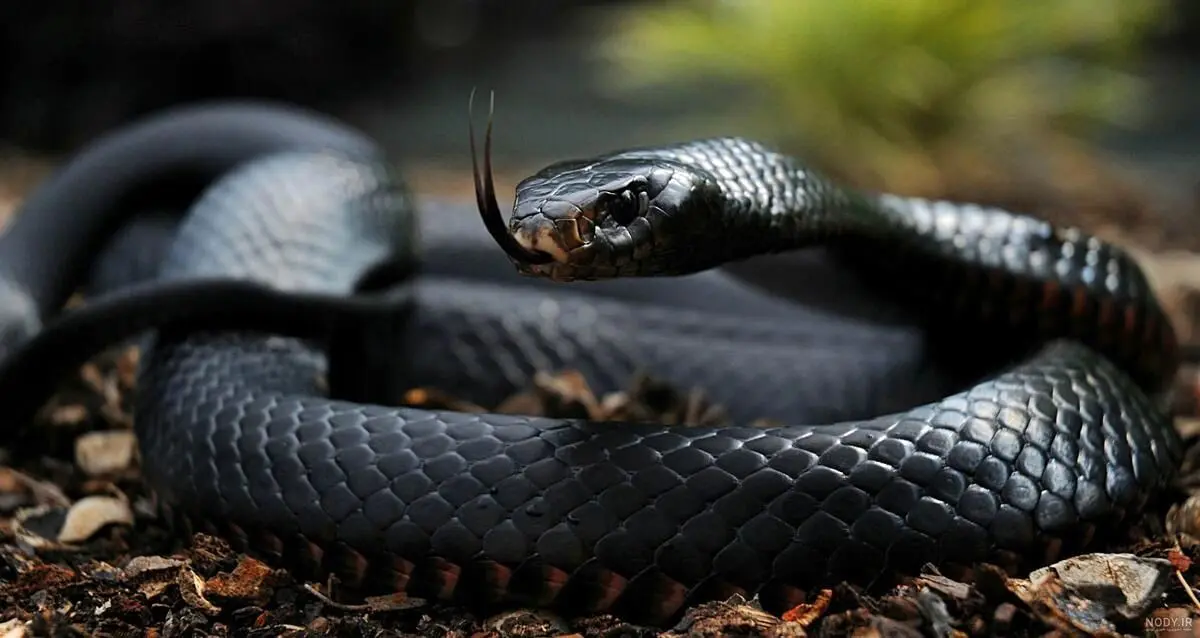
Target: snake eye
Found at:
x=628, y=206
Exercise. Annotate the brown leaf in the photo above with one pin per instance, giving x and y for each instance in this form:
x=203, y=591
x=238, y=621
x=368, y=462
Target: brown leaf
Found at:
x=40, y=578
x=1178, y=560
x=249, y=582
x=806, y=614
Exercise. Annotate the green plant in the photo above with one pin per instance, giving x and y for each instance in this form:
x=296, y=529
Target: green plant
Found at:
x=876, y=89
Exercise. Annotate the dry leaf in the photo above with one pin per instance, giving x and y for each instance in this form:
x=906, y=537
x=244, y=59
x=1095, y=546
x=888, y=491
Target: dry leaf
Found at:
x=127, y=366
x=394, y=602
x=946, y=586
x=34, y=526
x=1139, y=580
x=526, y=622
x=90, y=514
x=807, y=613
x=567, y=394
x=105, y=453
x=933, y=609
x=152, y=589
x=1002, y=619
x=44, y=492
x=191, y=590
x=734, y=617
x=70, y=414
x=41, y=577
x=1184, y=518
x=1088, y=592
x=247, y=583
x=434, y=399
x=13, y=628
x=1179, y=560
x=1056, y=606
x=139, y=566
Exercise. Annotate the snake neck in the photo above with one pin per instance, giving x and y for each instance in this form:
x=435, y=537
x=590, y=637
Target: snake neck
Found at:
x=960, y=264
x=765, y=201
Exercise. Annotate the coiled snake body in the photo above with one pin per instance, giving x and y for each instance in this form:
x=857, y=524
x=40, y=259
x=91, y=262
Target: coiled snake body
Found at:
x=237, y=433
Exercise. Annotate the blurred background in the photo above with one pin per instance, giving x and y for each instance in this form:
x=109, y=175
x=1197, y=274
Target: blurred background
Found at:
x=1081, y=111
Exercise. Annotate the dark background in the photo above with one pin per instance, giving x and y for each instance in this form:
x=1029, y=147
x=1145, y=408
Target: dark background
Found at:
x=71, y=69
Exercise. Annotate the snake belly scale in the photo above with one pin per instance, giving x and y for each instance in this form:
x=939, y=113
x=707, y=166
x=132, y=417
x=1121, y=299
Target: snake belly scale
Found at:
x=239, y=436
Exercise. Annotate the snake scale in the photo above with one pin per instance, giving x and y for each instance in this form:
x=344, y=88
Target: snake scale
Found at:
x=294, y=302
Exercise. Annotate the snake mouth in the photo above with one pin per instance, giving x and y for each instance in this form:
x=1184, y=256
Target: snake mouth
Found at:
x=563, y=237
x=566, y=241
x=485, y=194
x=542, y=237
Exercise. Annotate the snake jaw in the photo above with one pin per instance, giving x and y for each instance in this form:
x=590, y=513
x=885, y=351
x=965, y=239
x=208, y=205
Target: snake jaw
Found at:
x=544, y=236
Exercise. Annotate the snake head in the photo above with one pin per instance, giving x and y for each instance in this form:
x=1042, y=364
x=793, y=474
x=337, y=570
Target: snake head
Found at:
x=628, y=214
x=619, y=216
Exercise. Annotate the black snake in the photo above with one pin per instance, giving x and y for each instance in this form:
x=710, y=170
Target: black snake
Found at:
x=302, y=233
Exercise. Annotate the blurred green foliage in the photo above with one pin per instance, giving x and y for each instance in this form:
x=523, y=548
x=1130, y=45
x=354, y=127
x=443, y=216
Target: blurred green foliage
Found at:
x=875, y=89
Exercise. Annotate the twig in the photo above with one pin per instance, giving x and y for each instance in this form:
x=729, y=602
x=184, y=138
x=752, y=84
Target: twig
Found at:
x=1183, y=581
x=343, y=606
x=1187, y=588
